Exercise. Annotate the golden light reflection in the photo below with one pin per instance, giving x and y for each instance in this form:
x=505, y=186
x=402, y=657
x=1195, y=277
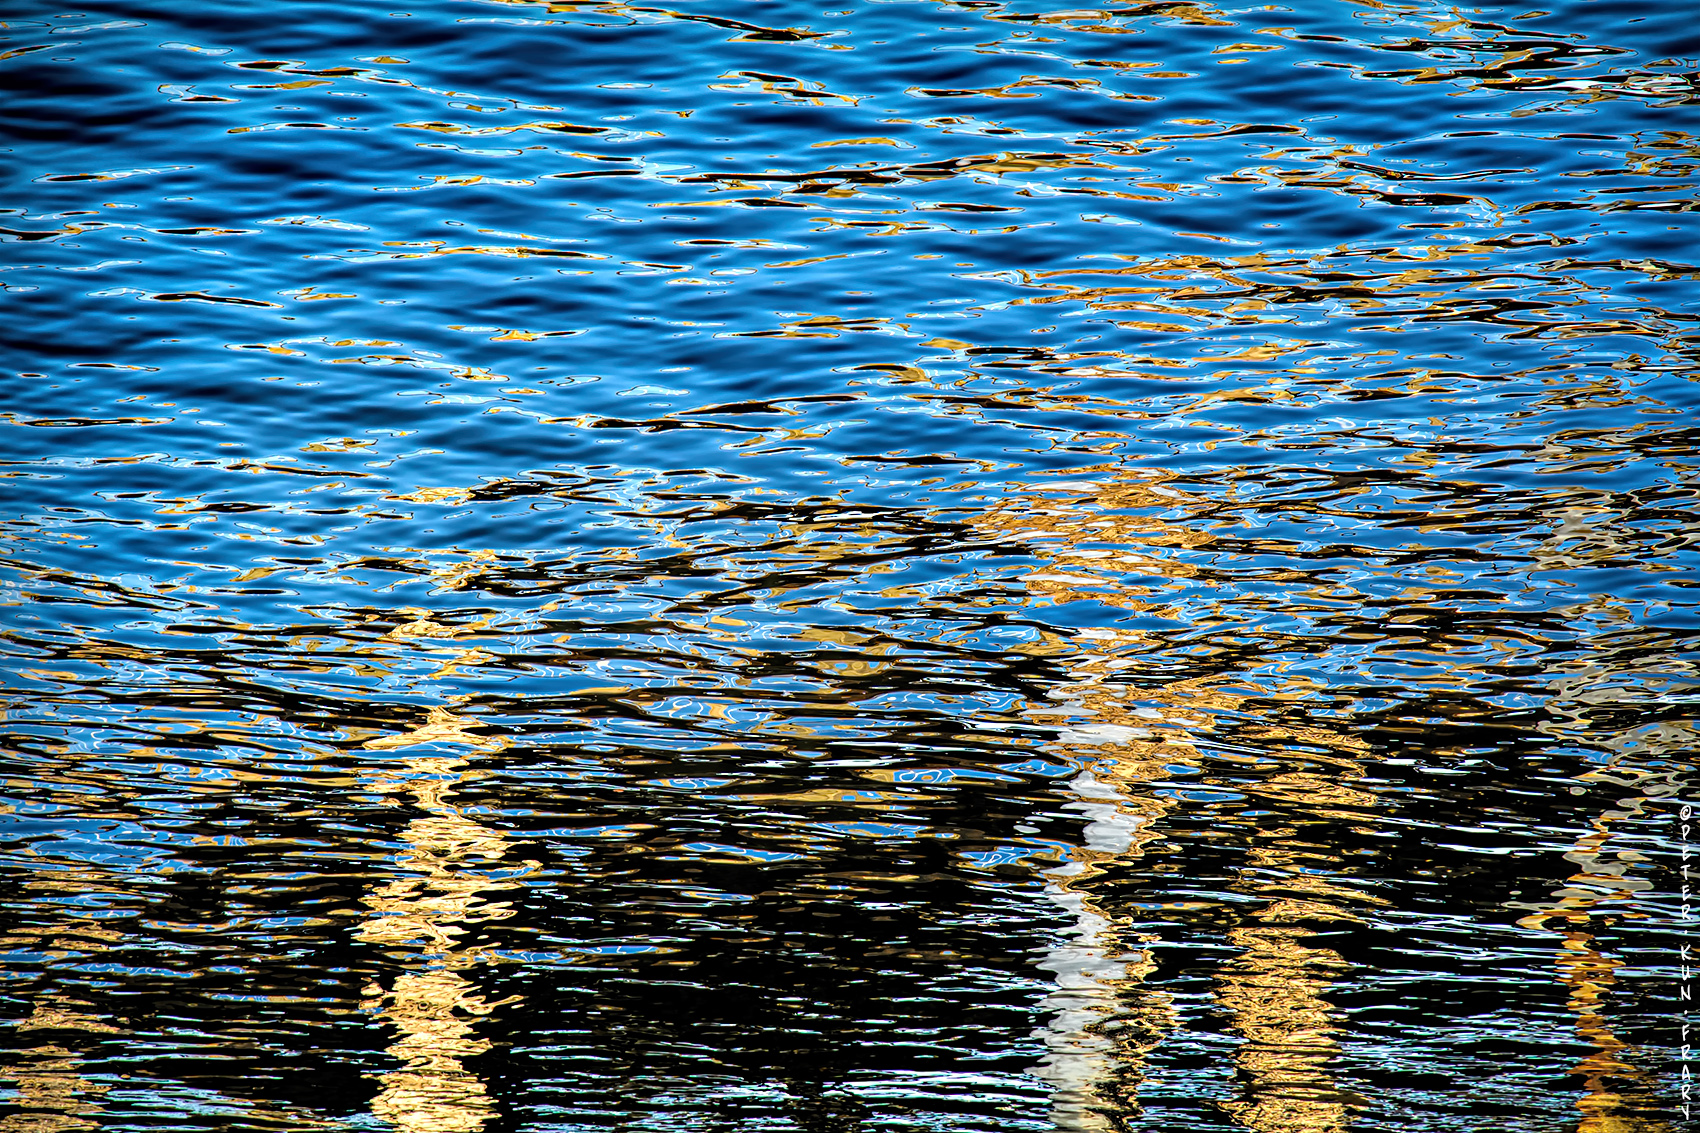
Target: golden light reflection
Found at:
x=52, y=1092
x=1275, y=993
x=1615, y=1092
x=1613, y=1089
x=1617, y=1095
x=421, y=919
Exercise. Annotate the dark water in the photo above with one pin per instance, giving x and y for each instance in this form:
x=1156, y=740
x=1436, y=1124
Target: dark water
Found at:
x=896, y=566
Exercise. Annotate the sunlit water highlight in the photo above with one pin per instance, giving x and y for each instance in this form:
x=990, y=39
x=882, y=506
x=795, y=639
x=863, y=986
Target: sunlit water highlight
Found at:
x=897, y=566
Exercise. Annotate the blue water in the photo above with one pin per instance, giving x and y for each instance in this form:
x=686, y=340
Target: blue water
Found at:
x=908, y=565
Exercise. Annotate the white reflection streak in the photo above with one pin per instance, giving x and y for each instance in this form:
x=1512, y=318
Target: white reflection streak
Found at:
x=1085, y=969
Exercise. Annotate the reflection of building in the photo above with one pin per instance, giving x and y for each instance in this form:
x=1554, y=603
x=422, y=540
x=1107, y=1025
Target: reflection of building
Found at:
x=419, y=919
x=1127, y=739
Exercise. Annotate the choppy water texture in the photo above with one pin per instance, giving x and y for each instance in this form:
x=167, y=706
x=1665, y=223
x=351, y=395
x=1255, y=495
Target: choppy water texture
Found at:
x=898, y=566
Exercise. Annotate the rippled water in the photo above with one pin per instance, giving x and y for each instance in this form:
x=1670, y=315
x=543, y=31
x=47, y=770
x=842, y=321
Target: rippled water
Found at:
x=903, y=566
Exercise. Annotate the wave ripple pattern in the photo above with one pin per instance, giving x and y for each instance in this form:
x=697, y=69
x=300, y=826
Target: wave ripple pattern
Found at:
x=966, y=566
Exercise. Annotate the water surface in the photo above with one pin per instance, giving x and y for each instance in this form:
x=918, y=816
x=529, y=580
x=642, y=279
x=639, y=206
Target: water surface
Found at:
x=907, y=565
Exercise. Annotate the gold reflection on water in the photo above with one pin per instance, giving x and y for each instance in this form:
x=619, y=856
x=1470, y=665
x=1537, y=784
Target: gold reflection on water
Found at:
x=52, y=1093
x=1617, y=1095
x=1613, y=1089
x=47, y=1065
x=1275, y=991
x=1615, y=1092
x=422, y=918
